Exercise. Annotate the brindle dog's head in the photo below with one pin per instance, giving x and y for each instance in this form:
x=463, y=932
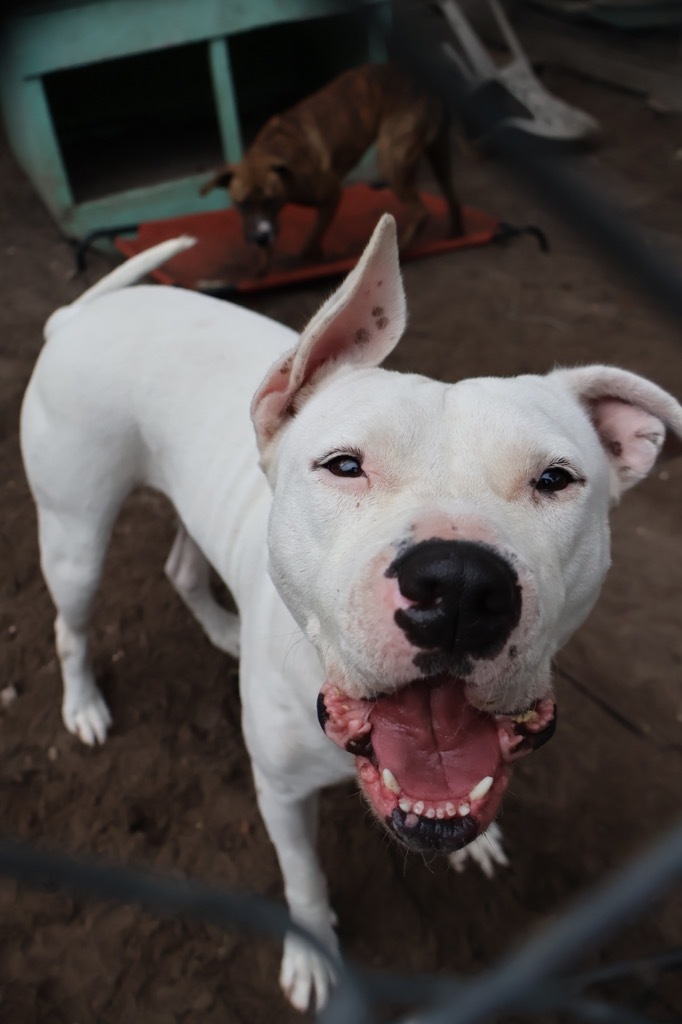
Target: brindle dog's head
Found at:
x=258, y=188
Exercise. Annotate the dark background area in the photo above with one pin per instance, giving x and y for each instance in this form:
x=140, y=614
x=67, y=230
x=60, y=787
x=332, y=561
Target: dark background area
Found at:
x=172, y=787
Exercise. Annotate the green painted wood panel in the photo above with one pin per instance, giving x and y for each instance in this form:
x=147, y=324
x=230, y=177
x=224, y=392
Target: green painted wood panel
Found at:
x=67, y=36
x=157, y=202
x=225, y=99
x=62, y=36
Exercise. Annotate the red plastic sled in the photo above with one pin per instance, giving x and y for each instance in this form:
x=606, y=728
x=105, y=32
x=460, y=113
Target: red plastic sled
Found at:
x=221, y=260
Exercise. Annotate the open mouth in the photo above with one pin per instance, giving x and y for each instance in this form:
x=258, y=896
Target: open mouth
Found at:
x=433, y=767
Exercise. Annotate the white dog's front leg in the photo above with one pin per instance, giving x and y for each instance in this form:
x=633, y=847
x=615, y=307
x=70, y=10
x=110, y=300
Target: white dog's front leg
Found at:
x=189, y=572
x=72, y=550
x=291, y=822
x=84, y=710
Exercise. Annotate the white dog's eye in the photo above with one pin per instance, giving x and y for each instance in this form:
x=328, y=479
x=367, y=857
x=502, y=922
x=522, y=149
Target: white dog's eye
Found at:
x=344, y=465
x=555, y=478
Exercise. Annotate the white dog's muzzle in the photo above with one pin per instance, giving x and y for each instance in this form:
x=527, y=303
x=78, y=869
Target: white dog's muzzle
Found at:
x=433, y=767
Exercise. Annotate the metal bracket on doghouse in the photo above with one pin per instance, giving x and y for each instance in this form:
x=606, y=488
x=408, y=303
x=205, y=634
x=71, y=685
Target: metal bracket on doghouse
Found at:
x=505, y=232
x=82, y=245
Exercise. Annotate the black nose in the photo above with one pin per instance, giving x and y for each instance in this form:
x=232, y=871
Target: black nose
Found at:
x=467, y=599
x=263, y=235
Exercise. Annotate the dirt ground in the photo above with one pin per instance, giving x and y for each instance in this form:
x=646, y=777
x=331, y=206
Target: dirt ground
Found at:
x=172, y=787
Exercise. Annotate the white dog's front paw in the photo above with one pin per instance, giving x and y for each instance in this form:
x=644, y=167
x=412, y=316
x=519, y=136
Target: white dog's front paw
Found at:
x=487, y=851
x=306, y=976
x=88, y=720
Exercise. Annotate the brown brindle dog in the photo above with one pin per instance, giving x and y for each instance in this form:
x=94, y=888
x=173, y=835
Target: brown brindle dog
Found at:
x=303, y=155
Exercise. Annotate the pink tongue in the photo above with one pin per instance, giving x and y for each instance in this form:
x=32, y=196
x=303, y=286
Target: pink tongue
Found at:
x=436, y=744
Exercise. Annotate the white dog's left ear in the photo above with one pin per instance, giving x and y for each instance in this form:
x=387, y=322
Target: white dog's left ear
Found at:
x=359, y=324
x=631, y=416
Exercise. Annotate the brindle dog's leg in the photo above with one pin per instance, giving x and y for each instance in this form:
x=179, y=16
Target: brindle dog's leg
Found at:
x=439, y=156
x=312, y=250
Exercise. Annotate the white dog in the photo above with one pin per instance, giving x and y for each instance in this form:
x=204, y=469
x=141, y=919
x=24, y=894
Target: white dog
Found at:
x=420, y=554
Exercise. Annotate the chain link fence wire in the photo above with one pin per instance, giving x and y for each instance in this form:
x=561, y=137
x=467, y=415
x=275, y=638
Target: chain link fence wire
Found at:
x=419, y=38
x=532, y=980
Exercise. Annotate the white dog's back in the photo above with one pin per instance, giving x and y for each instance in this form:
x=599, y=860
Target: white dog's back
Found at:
x=141, y=366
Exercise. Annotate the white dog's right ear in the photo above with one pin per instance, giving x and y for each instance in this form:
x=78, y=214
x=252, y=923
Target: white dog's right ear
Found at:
x=631, y=416
x=360, y=324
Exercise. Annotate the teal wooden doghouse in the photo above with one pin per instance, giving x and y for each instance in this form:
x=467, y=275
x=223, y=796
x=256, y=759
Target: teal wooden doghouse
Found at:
x=117, y=109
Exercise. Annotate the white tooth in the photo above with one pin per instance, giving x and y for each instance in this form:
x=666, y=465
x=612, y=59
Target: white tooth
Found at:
x=450, y=810
x=430, y=813
x=463, y=810
x=405, y=805
x=481, y=788
x=418, y=808
x=390, y=781
x=440, y=813
x=526, y=716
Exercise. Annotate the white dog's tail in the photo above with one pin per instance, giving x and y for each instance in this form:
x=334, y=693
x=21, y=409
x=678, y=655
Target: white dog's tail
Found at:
x=128, y=273
x=136, y=267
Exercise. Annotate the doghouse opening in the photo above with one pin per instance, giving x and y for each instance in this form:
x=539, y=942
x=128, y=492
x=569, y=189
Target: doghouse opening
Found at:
x=146, y=119
x=276, y=66
x=135, y=121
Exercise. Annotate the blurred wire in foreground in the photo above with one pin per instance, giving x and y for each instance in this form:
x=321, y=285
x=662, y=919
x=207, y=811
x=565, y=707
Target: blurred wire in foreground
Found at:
x=161, y=894
x=419, y=38
x=518, y=979
x=532, y=980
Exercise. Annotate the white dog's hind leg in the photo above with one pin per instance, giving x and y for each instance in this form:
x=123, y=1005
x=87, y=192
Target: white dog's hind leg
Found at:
x=189, y=572
x=487, y=851
x=306, y=976
x=72, y=553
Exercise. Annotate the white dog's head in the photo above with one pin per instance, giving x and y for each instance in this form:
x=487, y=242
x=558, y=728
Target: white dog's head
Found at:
x=437, y=544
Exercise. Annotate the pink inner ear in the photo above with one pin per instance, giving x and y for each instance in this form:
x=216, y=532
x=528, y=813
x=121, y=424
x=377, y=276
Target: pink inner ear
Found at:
x=271, y=398
x=359, y=325
x=631, y=437
x=291, y=374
